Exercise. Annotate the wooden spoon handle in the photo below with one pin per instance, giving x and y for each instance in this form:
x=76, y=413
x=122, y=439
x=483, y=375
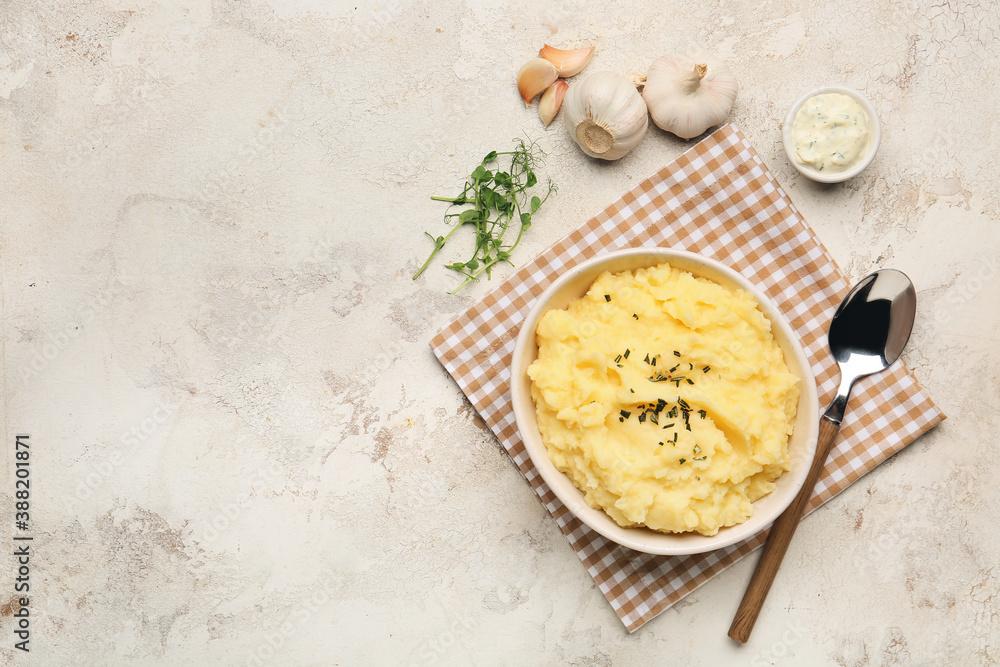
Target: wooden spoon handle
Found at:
x=778, y=540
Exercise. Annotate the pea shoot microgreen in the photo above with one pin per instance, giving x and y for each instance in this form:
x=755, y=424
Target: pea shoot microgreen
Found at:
x=498, y=198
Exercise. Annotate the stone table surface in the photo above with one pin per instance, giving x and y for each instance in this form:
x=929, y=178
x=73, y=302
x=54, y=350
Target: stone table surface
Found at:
x=243, y=451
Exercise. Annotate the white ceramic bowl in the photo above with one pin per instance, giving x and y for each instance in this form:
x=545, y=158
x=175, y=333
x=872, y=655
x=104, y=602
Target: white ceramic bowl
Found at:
x=801, y=447
x=874, y=138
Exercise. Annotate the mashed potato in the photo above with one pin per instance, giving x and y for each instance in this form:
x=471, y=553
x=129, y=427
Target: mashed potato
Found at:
x=665, y=398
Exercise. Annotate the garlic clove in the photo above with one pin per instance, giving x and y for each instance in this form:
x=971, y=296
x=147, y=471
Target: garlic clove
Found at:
x=567, y=61
x=535, y=76
x=551, y=100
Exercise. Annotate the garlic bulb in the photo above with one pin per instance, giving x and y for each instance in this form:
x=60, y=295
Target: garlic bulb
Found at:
x=605, y=115
x=687, y=93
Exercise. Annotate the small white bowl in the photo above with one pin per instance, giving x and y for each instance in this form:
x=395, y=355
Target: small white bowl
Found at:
x=801, y=446
x=874, y=137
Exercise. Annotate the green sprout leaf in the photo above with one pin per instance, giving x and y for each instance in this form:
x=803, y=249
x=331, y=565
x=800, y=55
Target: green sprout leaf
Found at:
x=497, y=199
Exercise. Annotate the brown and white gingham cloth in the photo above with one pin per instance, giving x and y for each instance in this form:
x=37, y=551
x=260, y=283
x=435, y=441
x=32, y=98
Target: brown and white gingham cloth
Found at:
x=717, y=199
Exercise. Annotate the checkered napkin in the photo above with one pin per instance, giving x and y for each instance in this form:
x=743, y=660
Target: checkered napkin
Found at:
x=717, y=199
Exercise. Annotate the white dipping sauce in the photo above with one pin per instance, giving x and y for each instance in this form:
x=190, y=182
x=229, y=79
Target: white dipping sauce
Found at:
x=830, y=133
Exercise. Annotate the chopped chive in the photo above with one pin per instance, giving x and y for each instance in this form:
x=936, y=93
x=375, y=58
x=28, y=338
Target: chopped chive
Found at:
x=675, y=436
x=702, y=414
x=676, y=353
x=618, y=358
x=706, y=369
x=689, y=380
x=682, y=461
x=646, y=359
x=621, y=419
x=672, y=369
x=625, y=414
x=653, y=362
x=620, y=366
x=632, y=391
x=700, y=458
x=642, y=417
x=635, y=316
x=697, y=449
x=681, y=402
x=690, y=367
x=669, y=425
x=660, y=404
x=653, y=418
x=607, y=297
x=627, y=352
x=660, y=444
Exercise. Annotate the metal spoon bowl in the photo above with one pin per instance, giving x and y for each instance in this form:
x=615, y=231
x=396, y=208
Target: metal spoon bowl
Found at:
x=867, y=334
x=870, y=330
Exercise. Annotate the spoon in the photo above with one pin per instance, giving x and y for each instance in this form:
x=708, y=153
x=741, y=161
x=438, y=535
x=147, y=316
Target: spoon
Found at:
x=867, y=334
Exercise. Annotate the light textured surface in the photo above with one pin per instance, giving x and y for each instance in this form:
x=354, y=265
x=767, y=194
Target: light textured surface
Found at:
x=247, y=453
